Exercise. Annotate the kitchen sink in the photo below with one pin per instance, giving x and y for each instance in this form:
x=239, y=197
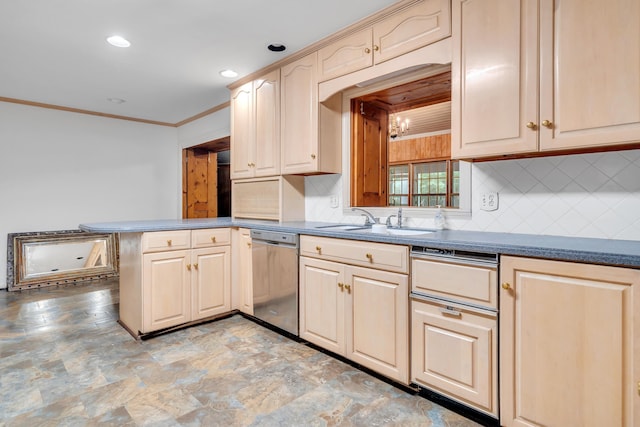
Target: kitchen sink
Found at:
x=407, y=232
x=344, y=227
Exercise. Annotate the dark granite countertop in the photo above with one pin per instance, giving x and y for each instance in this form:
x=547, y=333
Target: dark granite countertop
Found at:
x=590, y=250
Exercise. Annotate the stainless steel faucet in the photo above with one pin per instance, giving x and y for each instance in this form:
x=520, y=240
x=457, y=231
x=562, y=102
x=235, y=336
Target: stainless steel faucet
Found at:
x=369, y=218
x=398, y=215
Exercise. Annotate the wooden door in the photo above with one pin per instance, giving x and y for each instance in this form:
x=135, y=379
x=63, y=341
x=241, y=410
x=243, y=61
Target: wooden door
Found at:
x=200, y=184
x=494, y=71
x=322, y=299
x=454, y=350
x=378, y=321
x=166, y=290
x=299, y=116
x=590, y=84
x=266, y=158
x=568, y=344
x=210, y=281
x=242, y=132
x=369, y=155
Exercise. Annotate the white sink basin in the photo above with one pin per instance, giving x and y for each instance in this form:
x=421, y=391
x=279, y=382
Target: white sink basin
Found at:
x=407, y=232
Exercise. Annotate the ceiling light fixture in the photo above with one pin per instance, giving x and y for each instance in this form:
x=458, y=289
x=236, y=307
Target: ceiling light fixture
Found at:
x=276, y=47
x=228, y=73
x=118, y=41
x=397, y=126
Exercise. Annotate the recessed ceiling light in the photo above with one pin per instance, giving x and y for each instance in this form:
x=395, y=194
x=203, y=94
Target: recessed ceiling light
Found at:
x=276, y=47
x=116, y=100
x=118, y=41
x=228, y=73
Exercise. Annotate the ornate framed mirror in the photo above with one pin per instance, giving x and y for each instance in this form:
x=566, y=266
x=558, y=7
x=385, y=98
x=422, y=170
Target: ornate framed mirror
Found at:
x=49, y=258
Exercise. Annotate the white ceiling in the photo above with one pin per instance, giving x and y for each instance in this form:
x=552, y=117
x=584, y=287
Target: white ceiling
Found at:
x=55, y=52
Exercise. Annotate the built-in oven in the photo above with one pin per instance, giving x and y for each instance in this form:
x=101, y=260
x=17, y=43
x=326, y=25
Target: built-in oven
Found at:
x=275, y=278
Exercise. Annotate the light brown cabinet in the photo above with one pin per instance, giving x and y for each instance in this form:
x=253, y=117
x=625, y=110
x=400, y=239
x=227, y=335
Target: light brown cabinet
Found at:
x=360, y=313
x=454, y=329
x=242, y=269
x=310, y=131
x=411, y=28
x=255, y=128
x=163, y=284
x=568, y=344
x=526, y=79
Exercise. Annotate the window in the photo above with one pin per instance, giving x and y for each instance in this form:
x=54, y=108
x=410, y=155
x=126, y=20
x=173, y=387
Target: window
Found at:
x=425, y=184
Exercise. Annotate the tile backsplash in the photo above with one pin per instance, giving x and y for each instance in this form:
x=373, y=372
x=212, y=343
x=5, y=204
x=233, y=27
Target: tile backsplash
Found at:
x=585, y=195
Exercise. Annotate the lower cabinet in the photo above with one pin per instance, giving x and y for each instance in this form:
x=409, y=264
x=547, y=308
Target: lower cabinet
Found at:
x=569, y=344
x=360, y=313
x=454, y=351
x=243, y=269
x=170, y=278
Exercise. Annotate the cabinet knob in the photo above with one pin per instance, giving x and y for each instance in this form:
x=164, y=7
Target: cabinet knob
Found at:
x=213, y=239
x=168, y=242
x=531, y=125
x=376, y=47
x=547, y=124
x=195, y=266
x=249, y=244
x=341, y=286
x=313, y=156
x=348, y=288
x=318, y=249
x=369, y=257
x=506, y=286
x=189, y=267
x=367, y=50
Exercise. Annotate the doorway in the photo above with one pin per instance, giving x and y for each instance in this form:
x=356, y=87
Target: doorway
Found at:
x=206, y=185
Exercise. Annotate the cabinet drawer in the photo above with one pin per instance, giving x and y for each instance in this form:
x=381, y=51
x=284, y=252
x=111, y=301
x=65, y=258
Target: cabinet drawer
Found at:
x=166, y=240
x=210, y=237
x=454, y=351
x=374, y=255
x=472, y=284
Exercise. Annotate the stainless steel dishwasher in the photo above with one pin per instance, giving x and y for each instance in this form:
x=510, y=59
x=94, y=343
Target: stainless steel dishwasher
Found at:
x=275, y=278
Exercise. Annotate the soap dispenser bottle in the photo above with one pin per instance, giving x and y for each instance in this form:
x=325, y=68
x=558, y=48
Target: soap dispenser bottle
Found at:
x=438, y=219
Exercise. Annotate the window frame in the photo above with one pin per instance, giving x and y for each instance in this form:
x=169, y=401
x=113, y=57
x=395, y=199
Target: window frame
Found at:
x=449, y=171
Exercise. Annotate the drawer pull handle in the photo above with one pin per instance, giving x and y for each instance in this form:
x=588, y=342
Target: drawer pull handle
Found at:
x=348, y=288
x=189, y=267
x=450, y=311
x=168, y=242
x=213, y=239
x=369, y=257
x=195, y=266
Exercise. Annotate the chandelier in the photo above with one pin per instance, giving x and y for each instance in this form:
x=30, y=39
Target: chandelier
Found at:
x=397, y=126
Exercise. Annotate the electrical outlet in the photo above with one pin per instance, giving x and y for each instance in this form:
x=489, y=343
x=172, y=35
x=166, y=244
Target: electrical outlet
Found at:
x=489, y=201
x=333, y=201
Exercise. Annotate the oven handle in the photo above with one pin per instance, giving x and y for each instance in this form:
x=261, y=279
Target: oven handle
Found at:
x=270, y=243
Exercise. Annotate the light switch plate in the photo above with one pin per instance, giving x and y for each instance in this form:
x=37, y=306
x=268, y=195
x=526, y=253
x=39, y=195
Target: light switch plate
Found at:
x=489, y=201
x=333, y=201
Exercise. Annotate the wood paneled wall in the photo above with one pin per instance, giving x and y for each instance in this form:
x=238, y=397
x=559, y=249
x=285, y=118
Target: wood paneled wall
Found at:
x=436, y=147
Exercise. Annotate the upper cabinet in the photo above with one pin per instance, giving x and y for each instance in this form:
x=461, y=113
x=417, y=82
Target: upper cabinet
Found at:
x=310, y=131
x=411, y=28
x=526, y=78
x=255, y=128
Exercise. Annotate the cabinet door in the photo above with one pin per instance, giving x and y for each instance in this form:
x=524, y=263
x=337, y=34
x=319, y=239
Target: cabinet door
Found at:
x=166, y=290
x=494, y=72
x=454, y=351
x=245, y=272
x=346, y=55
x=322, y=304
x=590, y=84
x=377, y=321
x=299, y=116
x=242, y=140
x=210, y=281
x=567, y=336
x=415, y=27
x=267, y=125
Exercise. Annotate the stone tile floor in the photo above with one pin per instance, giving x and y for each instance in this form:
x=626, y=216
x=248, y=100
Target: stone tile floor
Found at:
x=64, y=361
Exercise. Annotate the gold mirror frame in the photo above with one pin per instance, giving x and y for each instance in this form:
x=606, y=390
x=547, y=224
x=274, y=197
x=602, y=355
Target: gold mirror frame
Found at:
x=104, y=259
